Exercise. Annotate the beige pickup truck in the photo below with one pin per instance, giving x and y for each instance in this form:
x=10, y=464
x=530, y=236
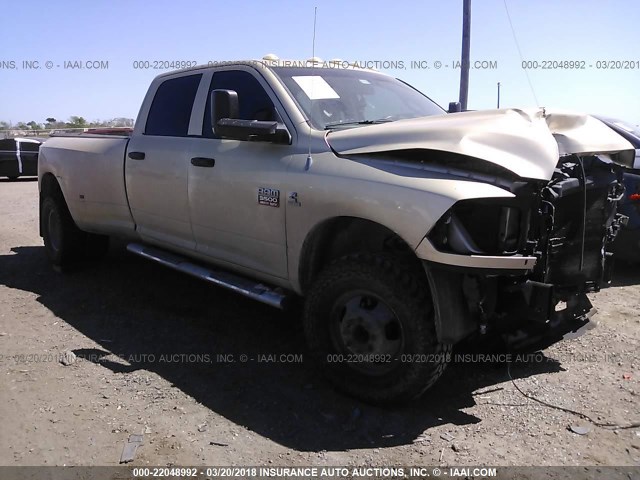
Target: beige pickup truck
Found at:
x=405, y=229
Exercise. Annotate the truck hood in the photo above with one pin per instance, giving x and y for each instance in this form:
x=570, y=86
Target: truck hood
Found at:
x=526, y=142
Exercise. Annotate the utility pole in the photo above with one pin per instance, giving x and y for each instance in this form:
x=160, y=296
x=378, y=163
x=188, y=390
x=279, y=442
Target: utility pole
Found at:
x=466, y=48
x=498, y=94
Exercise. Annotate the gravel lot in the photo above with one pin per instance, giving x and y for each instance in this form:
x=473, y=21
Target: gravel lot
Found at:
x=151, y=343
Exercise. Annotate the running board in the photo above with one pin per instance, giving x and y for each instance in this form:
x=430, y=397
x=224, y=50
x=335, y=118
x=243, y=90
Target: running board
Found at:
x=236, y=283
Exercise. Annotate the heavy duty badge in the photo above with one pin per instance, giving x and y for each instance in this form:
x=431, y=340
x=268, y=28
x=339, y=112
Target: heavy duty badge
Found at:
x=293, y=199
x=269, y=197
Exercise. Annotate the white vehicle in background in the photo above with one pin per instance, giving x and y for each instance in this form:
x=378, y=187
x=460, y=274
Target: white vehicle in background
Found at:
x=404, y=229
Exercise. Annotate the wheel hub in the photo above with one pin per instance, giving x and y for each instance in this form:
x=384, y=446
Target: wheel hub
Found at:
x=367, y=326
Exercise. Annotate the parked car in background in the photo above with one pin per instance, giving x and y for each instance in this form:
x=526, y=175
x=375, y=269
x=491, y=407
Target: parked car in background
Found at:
x=19, y=157
x=627, y=244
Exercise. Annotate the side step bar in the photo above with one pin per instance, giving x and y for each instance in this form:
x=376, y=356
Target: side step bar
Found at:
x=236, y=283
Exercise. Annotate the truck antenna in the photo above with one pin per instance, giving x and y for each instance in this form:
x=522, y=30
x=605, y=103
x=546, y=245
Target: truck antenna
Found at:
x=313, y=66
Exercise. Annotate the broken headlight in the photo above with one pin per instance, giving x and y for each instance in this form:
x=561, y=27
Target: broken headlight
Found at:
x=481, y=227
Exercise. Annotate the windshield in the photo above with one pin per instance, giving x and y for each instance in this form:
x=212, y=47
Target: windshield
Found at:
x=628, y=131
x=627, y=127
x=339, y=98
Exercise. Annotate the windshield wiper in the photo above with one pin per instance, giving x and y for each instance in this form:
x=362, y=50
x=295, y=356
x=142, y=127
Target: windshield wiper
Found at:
x=361, y=122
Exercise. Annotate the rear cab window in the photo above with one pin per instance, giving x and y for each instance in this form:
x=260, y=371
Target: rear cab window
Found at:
x=170, y=111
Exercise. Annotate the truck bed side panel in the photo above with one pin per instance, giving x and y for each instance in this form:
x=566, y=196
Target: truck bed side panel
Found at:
x=90, y=171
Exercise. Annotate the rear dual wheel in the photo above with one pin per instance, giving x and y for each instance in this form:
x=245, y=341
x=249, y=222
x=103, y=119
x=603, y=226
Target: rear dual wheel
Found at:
x=64, y=242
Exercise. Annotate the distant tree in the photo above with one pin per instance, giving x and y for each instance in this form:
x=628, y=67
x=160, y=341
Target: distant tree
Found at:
x=114, y=122
x=77, y=122
x=122, y=122
x=99, y=123
x=74, y=121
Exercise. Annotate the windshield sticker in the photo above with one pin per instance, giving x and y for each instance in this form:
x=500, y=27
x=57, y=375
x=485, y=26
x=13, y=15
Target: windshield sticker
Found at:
x=315, y=87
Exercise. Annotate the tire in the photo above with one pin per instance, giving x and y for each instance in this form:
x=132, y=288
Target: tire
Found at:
x=63, y=240
x=369, y=326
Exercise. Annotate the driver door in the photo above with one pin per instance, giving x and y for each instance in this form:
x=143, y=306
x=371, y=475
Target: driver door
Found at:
x=236, y=199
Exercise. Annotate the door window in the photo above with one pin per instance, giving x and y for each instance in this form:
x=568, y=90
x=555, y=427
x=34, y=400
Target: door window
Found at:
x=254, y=102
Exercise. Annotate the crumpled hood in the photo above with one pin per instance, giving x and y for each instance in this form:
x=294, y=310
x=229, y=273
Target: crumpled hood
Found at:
x=528, y=143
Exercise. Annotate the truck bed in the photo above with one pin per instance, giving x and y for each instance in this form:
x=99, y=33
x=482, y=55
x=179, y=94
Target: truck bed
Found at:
x=93, y=132
x=90, y=170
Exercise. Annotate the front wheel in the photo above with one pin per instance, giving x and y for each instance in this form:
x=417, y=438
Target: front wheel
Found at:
x=369, y=324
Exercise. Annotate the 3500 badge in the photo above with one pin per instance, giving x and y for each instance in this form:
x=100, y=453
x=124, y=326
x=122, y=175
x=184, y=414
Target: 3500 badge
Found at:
x=269, y=197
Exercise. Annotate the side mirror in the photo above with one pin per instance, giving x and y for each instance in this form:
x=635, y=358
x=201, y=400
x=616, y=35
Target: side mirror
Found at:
x=454, y=107
x=226, y=124
x=224, y=104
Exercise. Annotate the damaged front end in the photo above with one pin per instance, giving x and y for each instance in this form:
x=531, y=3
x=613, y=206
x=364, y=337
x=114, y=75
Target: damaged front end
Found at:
x=521, y=265
x=556, y=237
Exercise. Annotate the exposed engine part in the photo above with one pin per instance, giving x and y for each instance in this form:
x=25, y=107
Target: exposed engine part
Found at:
x=568, y=224
x=578, y=221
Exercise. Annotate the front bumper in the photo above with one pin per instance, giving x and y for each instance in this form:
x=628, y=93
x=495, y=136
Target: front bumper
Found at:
x=534, y=318
x=524, y=313
x=514, y=263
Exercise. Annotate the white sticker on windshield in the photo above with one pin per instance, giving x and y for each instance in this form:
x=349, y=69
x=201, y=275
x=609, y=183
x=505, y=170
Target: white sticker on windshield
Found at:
x=315, y=87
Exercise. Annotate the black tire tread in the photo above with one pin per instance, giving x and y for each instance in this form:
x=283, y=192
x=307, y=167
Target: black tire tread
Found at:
x=72, y=237
x=402, y=278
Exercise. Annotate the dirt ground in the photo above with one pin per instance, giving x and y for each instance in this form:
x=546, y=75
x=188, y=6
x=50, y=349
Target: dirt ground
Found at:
x=154, y=354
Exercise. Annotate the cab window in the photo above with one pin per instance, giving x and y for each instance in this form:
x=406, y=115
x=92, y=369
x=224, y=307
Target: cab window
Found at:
x=254, y=102
x=170, y=110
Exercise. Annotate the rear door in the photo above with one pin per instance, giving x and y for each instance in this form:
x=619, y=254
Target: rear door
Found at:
x=157, y=164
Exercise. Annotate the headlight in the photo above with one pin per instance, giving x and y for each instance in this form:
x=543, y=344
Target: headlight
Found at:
x=480, y=227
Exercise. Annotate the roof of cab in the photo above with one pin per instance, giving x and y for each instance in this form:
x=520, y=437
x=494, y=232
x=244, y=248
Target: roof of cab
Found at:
x=270, y=61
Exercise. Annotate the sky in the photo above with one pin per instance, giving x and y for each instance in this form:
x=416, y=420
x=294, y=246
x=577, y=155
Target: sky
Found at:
x=120, y=35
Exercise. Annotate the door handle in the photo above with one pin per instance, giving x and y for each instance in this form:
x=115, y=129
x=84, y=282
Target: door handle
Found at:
x=136, y=155
x=203, y=162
